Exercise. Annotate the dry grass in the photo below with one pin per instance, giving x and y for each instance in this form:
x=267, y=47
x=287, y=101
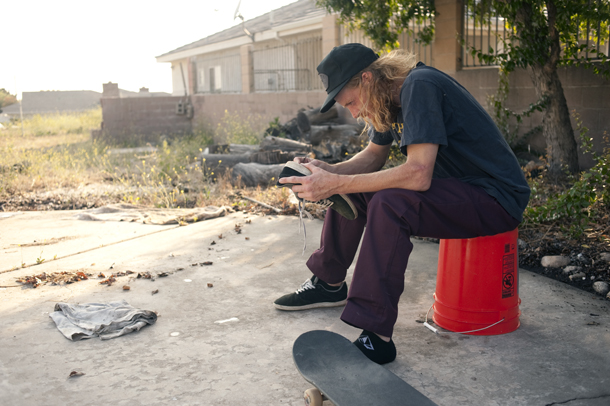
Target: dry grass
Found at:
x=53, y=164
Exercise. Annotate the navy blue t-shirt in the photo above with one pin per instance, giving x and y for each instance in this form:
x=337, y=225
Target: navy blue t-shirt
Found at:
x=436, y=109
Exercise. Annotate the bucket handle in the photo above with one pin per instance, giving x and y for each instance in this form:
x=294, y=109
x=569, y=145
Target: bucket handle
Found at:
x=436, y=331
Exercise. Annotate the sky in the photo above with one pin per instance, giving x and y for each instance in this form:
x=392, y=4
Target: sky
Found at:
x=81, y=44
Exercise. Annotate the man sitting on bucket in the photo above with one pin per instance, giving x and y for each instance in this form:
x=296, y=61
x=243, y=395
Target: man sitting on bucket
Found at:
x=460, y=180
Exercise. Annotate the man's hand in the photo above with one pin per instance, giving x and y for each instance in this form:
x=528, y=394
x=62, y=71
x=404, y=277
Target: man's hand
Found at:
x=320, y=164
x=314, y=187
x=317, y=186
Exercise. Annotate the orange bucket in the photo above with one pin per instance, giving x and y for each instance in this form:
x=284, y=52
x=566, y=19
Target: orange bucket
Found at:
x=477, y=285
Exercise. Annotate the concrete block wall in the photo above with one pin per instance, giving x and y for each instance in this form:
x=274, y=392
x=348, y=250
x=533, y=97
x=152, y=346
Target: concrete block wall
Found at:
x=587, y=94
x=210, y=109
x=142, y=118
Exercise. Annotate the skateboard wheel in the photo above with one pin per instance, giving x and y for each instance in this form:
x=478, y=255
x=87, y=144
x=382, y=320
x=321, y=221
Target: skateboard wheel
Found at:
x=313, y=397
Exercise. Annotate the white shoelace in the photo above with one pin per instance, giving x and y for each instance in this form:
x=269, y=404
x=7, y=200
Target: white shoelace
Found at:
x=325, y=203
x=307, y=285
x=302, y=224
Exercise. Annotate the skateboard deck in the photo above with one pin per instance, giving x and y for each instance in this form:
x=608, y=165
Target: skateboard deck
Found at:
x=346, y=377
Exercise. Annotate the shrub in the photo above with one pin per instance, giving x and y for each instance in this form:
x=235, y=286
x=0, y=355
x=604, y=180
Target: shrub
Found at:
x=583, y=201
x=235, y=129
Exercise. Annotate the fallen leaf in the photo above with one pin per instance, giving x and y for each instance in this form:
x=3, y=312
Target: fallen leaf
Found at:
x=206, y=263
x=154, y=292
x=75, y=373
x=108, y=281
x=126, y=287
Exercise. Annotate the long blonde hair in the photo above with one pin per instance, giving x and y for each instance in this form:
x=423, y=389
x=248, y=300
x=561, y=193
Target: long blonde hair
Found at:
x=389, y=71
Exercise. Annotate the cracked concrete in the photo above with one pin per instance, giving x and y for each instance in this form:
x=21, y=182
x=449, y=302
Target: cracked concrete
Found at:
x=559, y=355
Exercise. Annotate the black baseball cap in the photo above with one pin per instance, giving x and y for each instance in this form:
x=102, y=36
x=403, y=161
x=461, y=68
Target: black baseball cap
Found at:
x=340, y=65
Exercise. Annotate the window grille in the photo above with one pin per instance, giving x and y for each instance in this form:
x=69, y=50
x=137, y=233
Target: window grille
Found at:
x=406, y=41
x=484, y=29
x=288, y=67
x=218, y=74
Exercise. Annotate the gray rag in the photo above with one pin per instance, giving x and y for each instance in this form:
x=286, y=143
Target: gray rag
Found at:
x=107, y=321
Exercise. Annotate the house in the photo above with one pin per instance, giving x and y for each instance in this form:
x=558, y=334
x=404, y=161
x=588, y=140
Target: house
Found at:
x=267, y=66
x=54, y=101
x=275, y=52
x=113, y=90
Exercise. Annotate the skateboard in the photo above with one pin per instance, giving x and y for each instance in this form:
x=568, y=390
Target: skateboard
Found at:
x=342, y=374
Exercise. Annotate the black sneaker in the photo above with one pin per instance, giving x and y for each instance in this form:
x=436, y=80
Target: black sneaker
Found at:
x=375, y=348
x=312, y=294
x=340, y=203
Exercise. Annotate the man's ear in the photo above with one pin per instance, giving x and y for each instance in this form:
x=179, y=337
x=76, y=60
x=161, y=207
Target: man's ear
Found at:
x=367, y=77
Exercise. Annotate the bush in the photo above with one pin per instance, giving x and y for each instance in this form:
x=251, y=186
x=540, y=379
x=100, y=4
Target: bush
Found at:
x=234, y=129
x=585, y=198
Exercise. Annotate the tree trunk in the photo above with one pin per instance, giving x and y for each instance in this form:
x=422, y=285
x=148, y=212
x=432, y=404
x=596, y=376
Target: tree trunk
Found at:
x=253, y=174
x=339, y=133
x=271, y=143
x=556, y=125
x=307, y=118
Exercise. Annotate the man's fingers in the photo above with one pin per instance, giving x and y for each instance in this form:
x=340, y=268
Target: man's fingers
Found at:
x=295, y=180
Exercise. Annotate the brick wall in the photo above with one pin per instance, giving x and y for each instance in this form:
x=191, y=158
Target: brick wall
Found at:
x=126, y=119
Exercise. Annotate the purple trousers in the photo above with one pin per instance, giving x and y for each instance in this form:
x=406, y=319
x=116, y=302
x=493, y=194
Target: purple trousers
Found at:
x=449, y=209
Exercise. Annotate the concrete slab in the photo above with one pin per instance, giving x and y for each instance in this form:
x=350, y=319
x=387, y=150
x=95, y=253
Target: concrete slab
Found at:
x=559, y=355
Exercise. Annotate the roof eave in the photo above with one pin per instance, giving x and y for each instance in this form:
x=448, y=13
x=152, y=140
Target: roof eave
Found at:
x=296, y=27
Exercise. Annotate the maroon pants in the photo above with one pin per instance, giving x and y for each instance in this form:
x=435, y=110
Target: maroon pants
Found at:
x=449, y=209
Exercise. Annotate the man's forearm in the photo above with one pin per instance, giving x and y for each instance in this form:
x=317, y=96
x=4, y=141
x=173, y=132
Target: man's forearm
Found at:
x=366, y=161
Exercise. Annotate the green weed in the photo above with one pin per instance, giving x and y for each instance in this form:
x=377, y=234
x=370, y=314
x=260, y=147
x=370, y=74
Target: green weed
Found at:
x=583, y=202
x=235, y=129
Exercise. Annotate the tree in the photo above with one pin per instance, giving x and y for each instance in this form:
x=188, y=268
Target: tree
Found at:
x=6, y=99
x=543, y=35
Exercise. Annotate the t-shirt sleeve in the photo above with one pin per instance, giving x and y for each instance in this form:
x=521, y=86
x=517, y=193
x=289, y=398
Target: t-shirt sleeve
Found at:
x=379, y=138
x=422, y=109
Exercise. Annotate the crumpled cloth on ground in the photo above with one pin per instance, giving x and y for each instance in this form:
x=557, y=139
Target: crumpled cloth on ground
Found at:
x=106, y=320
x=149, y=215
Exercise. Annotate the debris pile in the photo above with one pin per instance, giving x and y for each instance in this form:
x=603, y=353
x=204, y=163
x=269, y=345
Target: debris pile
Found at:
x=324, y=136
x=54, y=278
